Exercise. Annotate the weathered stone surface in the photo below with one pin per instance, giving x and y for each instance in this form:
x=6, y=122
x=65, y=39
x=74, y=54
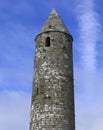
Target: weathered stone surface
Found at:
x=52, y=105
x=54, y=23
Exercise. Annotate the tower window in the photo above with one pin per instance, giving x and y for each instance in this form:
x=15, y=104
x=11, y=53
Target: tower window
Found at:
x=47, y=44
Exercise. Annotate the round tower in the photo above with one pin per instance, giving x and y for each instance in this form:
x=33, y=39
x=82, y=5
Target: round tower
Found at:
x=52, y=105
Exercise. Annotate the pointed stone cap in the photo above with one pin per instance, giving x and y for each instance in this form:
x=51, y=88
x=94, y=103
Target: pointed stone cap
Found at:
x=54, y=23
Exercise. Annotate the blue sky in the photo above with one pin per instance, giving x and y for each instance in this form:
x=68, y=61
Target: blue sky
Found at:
x=20, y=21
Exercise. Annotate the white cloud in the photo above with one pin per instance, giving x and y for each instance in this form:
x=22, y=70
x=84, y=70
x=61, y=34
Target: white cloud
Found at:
x=88, y=77
x=89, y=116
x=89, y=99
x=89, y=33
x=14, y=110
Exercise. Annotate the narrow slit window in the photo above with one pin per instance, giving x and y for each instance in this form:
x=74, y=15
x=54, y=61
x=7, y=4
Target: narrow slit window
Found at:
x=47, y=44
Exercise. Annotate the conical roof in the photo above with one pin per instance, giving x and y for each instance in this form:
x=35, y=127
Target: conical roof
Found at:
x=54, y=23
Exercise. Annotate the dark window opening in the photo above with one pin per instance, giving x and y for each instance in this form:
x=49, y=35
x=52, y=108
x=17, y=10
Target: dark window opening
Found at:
x=47, y=44
x=50, y=26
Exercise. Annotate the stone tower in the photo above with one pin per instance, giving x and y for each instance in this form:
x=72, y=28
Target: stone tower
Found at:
x=52, y=105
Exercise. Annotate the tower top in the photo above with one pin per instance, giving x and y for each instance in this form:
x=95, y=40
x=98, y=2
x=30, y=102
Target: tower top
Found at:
x=54, y=23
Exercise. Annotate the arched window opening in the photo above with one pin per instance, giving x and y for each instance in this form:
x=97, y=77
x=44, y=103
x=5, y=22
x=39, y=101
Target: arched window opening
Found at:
x=47, y=44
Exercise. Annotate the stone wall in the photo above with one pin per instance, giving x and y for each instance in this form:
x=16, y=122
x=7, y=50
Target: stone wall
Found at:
x=53, y=91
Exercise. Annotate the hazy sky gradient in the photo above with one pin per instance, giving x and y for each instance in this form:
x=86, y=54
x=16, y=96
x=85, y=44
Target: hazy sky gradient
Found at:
x=20, y=22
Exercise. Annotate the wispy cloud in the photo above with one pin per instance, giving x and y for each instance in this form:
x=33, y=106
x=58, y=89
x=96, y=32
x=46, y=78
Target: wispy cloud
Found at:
x=89, y=36
x=88, y=99
x=88, y=77
x=89, y=115
x=14, y=110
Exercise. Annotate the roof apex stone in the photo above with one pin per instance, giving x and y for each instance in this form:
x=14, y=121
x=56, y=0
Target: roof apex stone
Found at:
x=54, y=23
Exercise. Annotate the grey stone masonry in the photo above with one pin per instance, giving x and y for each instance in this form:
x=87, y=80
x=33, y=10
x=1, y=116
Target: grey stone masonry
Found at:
x=52, y=106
